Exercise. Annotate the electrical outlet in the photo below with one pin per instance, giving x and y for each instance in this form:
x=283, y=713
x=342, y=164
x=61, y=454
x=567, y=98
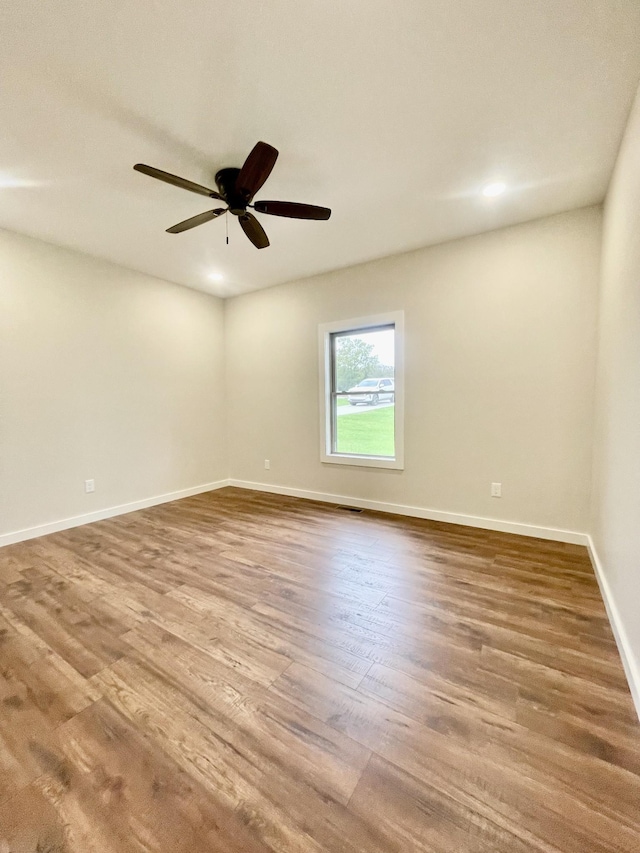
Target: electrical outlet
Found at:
x=267, y=464
x=496, y=490
x=89, y=486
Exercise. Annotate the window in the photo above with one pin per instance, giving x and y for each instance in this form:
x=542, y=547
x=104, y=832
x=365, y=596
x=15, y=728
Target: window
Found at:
x=361, y=381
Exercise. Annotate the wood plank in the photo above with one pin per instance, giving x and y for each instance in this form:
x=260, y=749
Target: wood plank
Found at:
x=420, y=817
x=115, y=791
x=270, y=732
x=250, y=672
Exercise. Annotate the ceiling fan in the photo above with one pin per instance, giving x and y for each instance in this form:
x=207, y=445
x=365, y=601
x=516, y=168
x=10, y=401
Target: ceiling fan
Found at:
x=237, y=188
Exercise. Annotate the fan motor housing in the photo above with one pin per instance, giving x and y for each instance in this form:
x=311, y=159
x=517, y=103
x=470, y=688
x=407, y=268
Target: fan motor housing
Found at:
x=226, y=183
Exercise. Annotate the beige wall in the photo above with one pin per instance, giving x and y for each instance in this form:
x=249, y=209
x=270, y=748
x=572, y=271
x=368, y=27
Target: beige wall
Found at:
x=616, y=504
x=112, y=375
x=104, y=374
x=500, y=355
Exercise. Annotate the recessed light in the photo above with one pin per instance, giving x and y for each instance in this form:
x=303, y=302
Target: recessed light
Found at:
x=7, y=182
x=494, y=189
x=216, y=276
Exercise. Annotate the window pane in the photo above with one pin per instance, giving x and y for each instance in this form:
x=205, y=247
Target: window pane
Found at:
x=364, y=367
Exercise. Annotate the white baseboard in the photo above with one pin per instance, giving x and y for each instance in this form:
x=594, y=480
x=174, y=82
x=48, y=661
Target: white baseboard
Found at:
x=99, y=515
x=551, y=533
x=629, y=661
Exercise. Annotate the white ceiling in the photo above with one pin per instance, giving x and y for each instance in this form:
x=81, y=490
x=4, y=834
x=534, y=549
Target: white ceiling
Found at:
x=394, y=114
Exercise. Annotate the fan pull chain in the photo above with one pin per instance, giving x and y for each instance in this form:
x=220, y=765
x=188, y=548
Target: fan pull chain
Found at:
x=226, y=220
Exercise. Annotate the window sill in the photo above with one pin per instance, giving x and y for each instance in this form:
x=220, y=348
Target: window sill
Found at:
x=363, y=461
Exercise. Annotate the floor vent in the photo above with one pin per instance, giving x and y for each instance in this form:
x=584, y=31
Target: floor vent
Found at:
x=350, y=508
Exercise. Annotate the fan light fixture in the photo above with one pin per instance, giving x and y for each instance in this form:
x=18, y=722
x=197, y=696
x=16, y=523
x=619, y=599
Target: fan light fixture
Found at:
x=236, y=188
x=494, y=189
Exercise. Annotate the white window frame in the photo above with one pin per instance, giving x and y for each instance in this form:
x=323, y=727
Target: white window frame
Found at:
x=361, y=324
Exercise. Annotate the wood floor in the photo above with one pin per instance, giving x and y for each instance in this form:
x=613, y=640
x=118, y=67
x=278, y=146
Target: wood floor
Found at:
x=241, y=672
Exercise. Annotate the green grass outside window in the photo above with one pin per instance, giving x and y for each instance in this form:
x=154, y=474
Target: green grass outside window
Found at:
x=367, y=433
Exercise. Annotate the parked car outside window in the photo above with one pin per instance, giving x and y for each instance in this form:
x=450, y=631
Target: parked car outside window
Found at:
x=370, y=392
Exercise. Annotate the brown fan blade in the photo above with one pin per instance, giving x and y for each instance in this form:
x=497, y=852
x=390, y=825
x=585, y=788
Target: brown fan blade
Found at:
x=292, y=209
x=200, y=219
x=253, y=230
x=257, y=168
x=168, y=178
